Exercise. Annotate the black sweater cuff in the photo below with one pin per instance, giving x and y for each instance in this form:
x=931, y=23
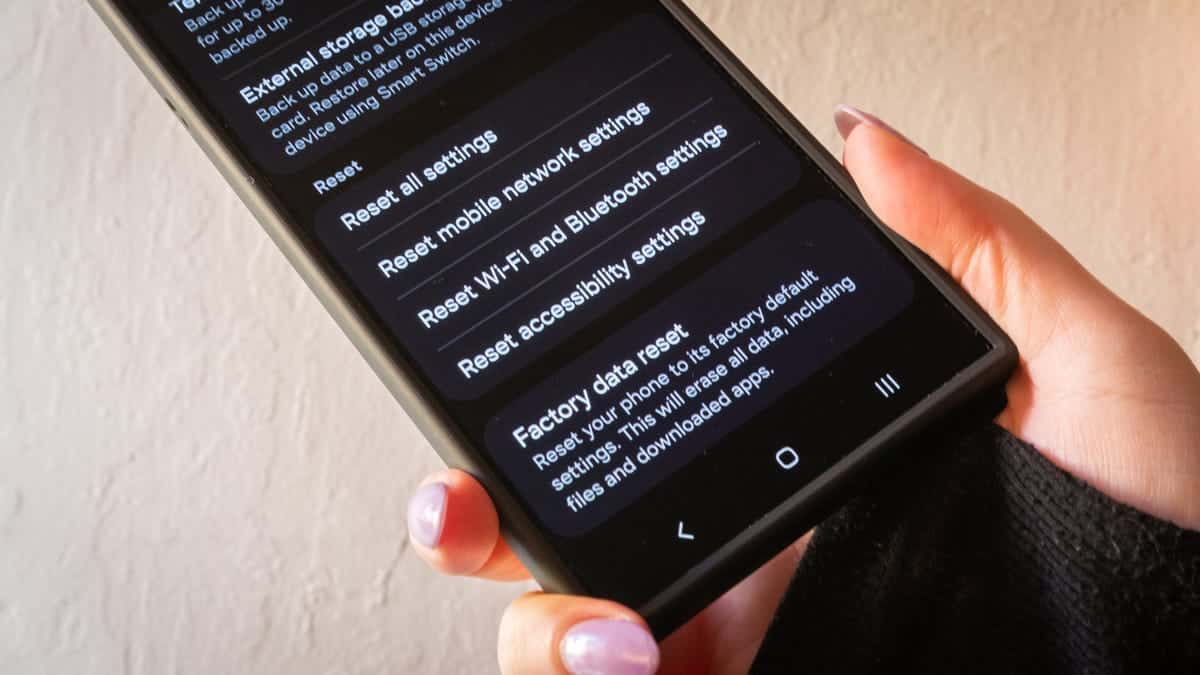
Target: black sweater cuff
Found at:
x=983, y=557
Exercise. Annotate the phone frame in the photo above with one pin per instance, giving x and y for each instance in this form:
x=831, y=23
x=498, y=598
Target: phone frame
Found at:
x=974, y=395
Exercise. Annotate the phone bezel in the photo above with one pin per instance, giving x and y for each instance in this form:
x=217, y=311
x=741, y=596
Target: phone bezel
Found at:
x=982, y=382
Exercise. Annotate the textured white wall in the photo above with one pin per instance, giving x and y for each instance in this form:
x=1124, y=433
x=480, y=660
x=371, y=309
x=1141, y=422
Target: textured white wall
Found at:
x=199, y=475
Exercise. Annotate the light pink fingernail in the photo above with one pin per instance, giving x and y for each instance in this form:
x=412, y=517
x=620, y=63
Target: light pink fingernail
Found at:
x=609, y=647
x=847, y=118
x=427, y=514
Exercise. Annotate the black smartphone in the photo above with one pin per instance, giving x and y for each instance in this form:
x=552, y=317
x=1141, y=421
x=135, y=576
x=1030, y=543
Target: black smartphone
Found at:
x=601, y=267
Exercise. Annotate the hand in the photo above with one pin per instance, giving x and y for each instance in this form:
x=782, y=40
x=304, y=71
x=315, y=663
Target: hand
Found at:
x=1101, y=391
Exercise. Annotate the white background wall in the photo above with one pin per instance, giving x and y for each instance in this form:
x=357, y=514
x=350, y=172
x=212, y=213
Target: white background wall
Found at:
x=199, y=475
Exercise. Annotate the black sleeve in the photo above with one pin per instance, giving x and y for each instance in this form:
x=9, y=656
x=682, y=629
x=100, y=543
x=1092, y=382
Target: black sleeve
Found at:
x=982, y=557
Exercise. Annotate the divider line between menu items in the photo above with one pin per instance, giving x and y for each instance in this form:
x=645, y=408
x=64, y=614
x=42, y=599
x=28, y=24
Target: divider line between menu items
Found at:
x=510, y=155
x=290, y=41
x=593, y=249
x=554, y=200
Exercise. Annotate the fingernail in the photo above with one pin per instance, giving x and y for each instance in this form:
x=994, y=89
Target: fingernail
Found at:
x=847, y=118
x=609, y=647
x=427, y=514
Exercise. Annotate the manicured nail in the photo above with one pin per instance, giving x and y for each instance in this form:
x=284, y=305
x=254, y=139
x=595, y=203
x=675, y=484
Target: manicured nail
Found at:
x=427, y=514
x=609, y=647
x=847, y=118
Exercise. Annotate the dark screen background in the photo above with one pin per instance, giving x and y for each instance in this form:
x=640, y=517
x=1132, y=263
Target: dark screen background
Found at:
x=540, y=77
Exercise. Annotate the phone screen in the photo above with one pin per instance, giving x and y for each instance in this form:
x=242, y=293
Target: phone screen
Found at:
x=652, y=314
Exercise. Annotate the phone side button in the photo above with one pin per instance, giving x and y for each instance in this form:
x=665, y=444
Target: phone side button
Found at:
x=175, y=111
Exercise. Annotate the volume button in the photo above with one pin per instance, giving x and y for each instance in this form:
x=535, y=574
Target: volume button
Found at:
x=175, y=112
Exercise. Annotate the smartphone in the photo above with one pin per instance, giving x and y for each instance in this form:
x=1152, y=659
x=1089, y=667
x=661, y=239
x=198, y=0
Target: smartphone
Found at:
x=593, y=258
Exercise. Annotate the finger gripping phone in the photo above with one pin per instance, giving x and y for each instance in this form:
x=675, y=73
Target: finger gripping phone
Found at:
x=598, y=264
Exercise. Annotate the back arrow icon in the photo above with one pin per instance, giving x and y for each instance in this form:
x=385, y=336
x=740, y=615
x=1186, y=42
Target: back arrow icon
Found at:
x=684, y=535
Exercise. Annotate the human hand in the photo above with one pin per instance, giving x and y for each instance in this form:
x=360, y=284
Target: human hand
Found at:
x=1101, y=391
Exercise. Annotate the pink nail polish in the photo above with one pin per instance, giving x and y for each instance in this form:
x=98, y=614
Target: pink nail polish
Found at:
x=847, y=118
x=609, y=647
x=427, y=514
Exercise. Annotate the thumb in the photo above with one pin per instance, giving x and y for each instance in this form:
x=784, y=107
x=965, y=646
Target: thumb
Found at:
x=986, y=244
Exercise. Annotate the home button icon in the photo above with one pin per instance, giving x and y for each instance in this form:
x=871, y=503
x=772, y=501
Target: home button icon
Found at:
x=787, y=458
